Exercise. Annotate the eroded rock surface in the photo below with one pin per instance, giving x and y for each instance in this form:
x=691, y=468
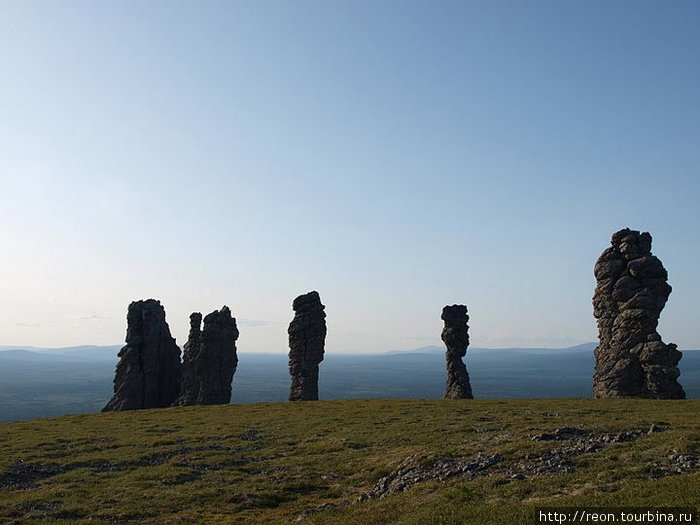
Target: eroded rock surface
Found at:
x=455, y=335
x=631, y=291
x=188, y=394
x=307, y=338
x=148, y=374
x=416, y=469
x=210, y=359
x=569, y=443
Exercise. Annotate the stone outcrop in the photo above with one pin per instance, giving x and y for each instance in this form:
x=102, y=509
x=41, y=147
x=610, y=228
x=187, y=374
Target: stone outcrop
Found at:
x=631, y=291
x=190, y=353
x=148, y=373
x=307, y=338
x=209, y=359
x=455, y=335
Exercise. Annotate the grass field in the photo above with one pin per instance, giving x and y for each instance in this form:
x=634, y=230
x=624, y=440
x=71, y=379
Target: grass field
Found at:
x=345, y=462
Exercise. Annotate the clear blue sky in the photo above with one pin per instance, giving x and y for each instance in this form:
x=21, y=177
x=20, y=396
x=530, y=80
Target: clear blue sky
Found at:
x=396, y=156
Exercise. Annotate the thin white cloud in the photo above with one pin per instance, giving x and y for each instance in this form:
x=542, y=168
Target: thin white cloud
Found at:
x=253, y=322
x=351, y=333
x=91, y=317
x=433, y=338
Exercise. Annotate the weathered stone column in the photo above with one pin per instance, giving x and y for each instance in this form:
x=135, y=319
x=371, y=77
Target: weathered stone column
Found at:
x=148, y=374
x=307, y=338
x=631, y=291
x=455, y=335
x=210, y=359
x=190, y=352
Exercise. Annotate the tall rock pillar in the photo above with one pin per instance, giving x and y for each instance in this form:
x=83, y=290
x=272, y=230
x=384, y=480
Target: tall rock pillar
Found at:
x=455, y=335
x=307, y=338
x=210, y=359
x=148, y=373
x=631, y=291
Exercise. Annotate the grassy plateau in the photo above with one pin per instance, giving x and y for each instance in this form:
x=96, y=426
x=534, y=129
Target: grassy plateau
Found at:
x=405, y=462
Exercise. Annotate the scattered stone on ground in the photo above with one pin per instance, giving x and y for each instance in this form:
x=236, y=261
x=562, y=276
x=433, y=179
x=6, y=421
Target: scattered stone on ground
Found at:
x=672, y=465
x=411, y=471
x=23, y=475
x=41, y=506
x=321, y=508
x=571, y=442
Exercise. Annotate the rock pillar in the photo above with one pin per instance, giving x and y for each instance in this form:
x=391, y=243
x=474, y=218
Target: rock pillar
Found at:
x=631, y=291
x=148, y=374
x=307, y=337
x=455, y=335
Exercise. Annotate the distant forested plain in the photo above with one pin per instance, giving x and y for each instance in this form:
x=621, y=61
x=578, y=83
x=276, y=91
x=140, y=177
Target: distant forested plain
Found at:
x=50, y=382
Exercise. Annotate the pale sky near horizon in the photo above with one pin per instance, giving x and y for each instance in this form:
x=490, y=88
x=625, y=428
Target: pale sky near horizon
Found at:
x=396, y=156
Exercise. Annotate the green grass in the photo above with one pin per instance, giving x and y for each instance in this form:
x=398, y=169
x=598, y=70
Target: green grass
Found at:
x=270, y=462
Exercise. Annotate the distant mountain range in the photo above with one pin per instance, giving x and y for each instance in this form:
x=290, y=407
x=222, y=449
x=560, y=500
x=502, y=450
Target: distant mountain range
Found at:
x=40, y=382
x=83, y=352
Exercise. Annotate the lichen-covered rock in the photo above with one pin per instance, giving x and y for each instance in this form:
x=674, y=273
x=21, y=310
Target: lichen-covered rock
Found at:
x=210, y=359
x=455, y=335
x=631, y=291
x=148, y=374
x=307, y=338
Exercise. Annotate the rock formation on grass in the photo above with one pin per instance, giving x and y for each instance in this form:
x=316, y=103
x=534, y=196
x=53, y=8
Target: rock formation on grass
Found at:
x=148, y=373
x=455, y=335
x=209, y=359
x=190, y=353
x=307, y=337
x=631, y=291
